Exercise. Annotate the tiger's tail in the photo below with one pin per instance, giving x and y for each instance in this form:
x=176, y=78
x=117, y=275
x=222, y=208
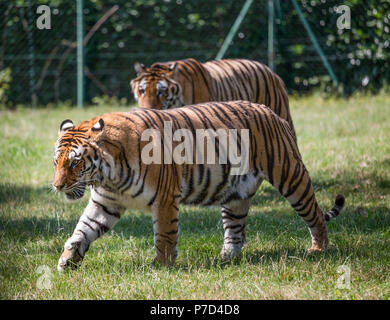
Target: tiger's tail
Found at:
x=335, y=211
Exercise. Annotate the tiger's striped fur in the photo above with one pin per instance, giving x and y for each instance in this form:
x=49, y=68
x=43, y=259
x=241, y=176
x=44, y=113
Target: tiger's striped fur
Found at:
x=105, y=152
x=185, y=82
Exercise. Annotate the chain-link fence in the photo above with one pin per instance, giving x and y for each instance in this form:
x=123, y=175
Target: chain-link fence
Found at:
x=40, y=65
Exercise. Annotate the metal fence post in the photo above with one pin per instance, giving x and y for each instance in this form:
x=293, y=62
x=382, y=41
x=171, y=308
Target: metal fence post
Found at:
x=315, y=42
x=271, y=34
x=31, y=54
x=80, y=54
x=233, y=30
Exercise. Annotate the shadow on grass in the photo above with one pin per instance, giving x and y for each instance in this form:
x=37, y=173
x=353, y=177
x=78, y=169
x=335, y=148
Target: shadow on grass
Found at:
x=281, y=256
x=21, y=193
x=200, y=221
x=194, y=222
x=37, y=228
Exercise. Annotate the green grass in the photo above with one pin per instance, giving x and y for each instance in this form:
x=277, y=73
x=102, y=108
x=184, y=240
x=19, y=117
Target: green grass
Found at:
x=346, y=148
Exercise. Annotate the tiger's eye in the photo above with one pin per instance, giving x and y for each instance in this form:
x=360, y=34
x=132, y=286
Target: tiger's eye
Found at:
x=74, y=163
x=161, y=91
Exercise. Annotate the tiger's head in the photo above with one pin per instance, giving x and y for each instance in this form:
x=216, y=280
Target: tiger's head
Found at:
x=157, y=86
x=76, y=157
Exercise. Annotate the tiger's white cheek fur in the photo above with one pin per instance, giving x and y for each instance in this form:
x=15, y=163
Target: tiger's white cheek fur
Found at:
x=161, y=85
x=142, y=85
x=76, y=152
x=56, y=153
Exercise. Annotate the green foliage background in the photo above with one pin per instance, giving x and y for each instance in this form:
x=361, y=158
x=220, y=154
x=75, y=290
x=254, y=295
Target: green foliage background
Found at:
x=155, y=30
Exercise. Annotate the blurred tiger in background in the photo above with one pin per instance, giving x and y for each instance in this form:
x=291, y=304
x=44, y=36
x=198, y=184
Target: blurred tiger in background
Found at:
x=184, y=82
x=107, y=152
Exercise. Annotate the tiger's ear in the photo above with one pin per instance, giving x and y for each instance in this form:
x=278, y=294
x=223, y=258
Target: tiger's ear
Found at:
x=139, y=68
x=98, y=130
x=65, y=125
x=175, y=68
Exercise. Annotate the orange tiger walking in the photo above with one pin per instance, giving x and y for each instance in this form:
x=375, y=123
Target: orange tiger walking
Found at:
x=185, y=82
x=106, y=153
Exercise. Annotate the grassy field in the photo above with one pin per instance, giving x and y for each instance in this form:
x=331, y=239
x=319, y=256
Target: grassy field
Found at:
x=346, y=148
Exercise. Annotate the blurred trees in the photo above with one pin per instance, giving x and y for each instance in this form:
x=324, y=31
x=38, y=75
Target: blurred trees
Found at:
x=163, y=30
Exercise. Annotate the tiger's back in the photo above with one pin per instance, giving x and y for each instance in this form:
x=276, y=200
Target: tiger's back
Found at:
x=214, y=184
x=185, y=82
x=241, y=79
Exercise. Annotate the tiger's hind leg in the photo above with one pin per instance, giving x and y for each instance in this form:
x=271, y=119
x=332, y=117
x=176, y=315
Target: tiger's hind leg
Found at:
x=302, y=198
x=233, y=218
x=300, y=193
x=294, y=184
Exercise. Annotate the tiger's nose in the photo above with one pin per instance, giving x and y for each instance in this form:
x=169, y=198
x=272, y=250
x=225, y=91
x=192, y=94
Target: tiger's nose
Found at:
x=58, y=186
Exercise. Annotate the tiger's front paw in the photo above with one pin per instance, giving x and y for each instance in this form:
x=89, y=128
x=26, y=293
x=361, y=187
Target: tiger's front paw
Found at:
x=316, y=247
x=230, y=251
x=71, y=257
x=167, y=259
